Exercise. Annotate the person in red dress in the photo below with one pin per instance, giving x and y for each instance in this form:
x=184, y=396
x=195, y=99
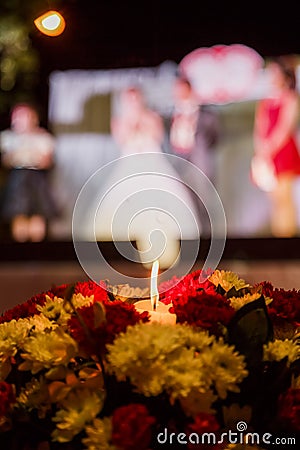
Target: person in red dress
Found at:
x=276, y=161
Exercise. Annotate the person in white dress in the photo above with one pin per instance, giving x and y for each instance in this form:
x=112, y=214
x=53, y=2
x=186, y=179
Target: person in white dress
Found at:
x=143, y=200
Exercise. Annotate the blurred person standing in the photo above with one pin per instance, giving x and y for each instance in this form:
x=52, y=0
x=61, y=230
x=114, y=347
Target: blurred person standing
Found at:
x=194, y=128
x=276, y=160
x=143, y=195
x=194, y=132
x=135, y=127
x=27, y=152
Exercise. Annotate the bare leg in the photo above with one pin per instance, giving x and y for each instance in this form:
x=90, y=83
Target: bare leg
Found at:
x=20, y=228
x=283, y=215
x=37, y=228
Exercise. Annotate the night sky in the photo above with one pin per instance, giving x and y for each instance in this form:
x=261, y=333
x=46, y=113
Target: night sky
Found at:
x=105, y=34
x=114, y=33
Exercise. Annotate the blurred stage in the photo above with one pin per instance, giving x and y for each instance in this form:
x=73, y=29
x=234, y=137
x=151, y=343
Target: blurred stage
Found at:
x=27, y=269
x=82, y=102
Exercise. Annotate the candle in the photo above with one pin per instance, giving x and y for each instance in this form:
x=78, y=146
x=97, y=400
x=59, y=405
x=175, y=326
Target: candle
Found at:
x=154, y=294
x=158, y=311
x=161, y=314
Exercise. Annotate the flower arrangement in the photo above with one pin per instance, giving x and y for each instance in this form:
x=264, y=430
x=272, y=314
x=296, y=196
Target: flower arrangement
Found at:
x=82, y=368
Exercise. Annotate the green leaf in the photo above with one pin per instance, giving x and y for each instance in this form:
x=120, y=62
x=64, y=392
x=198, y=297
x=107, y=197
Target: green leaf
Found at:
x=249, y=329
x=99, y=314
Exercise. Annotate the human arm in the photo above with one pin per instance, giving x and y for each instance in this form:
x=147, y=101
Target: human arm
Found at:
x=6, y=147
x=45, y=145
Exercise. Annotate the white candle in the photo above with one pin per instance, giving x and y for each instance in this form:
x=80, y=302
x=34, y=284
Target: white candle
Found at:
x=161, y=314
x=158, y=311
x=154, y=294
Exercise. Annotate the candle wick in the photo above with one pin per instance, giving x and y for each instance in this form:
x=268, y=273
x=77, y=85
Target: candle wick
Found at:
x=155, y=301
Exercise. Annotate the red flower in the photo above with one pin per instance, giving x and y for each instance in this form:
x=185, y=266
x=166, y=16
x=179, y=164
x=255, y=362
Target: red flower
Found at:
x=132, y=427
x=167, y=285
x=203, y=423
x=118, y=316
x=285, y=305
x=182, y=288
x=266, y=288
x=7, y=397
x=289, y=409
x=26, y=309
x=88, y=288
x=203, y=310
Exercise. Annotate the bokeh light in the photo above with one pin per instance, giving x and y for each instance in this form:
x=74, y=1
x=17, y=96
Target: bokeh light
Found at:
x=51, y=23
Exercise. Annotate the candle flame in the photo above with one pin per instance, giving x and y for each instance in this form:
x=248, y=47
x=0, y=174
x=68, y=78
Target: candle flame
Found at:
x=153, y=286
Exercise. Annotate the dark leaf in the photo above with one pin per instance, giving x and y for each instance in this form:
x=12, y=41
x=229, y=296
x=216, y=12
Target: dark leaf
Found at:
x=220, y=290
x=233, y=292
x=99, y=314
x=249, y=329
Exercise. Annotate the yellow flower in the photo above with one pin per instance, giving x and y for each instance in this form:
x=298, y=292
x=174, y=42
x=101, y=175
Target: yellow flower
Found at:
x=55, y=311
x=99, y=435
x=39, y=323
x=52, y=308
x=48, y=349
x=226, y=366
x=12, y=335
x=277, y=350
x=198, y=402
x=79, y=300
x=227, y=280
x=155, y=358
x=78, y=409
x=35, y=395
x=58, y=311
x=238, y=302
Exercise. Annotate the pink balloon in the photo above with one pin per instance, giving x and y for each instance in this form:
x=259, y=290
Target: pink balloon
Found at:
x=222, y=73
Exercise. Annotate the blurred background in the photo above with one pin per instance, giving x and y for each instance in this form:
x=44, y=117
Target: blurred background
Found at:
x=75, y=79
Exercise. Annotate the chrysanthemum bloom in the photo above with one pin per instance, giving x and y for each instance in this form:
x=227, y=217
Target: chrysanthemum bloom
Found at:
x=98, y=435
x=279, y=349
x=265, y=287
x=289, y=409
x=227, y=280
x=187, y=286
x=132, y=427
x=77, y=410
x=26, y=309
x=118, y=315
x=7, y=397
x=154, y=357
x=45, y=350
x=203, y=423
x=29, y=308
x=89, y=288
x=239, y=302
x=203, y=310
x=286, y=306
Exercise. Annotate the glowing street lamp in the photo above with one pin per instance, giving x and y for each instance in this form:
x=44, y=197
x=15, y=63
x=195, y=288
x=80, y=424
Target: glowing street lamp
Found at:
x=51, y=23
